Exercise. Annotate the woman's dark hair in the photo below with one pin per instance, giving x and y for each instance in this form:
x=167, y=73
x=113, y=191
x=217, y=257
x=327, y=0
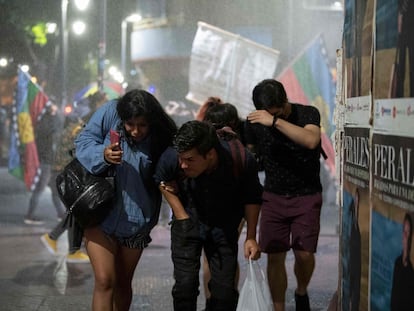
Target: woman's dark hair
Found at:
x=137, y=103
x=269, y=93
x=196, y=134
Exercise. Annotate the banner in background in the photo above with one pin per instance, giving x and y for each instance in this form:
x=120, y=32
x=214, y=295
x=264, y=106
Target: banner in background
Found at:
x=29, y=105
x=227, y=65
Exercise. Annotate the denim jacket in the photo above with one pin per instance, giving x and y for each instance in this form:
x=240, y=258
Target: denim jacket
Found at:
x=137, y=203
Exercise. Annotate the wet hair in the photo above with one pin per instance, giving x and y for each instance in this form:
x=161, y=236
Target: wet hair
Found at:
x=269, y=93
x=196, y=134
x=223, y=115
x=140, y=103
x=207, y=105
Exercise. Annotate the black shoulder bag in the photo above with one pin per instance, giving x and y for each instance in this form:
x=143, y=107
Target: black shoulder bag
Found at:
x=89, y=198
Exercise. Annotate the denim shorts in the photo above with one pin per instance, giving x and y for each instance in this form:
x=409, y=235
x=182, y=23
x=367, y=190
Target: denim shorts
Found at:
x=289, y=222
x=139, y=240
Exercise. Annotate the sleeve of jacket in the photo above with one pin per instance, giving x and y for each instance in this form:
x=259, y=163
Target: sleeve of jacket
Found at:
x=92, y=140
x=167, y=166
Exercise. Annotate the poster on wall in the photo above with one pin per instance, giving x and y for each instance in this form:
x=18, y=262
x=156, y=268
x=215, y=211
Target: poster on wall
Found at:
x=392, y=273
x=358, y=30
x=355, y=219
x=394, y=44
x=392, y=171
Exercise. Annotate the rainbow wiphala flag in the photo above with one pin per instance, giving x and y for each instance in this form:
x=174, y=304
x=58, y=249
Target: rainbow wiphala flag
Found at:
x=29, y=105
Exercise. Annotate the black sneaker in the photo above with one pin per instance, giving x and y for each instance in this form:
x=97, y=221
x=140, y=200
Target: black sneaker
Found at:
x=302, y=302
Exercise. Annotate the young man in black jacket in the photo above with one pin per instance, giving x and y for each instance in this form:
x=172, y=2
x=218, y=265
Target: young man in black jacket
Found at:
x=208, y=199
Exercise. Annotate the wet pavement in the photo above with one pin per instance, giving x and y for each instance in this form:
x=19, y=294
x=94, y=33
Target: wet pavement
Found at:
x=33, y=279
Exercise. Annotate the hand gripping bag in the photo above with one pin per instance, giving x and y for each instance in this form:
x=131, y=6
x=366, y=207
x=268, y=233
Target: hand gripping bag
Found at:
x=255, y=292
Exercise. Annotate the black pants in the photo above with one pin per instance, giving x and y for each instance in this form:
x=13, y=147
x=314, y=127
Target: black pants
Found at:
x=188, y=238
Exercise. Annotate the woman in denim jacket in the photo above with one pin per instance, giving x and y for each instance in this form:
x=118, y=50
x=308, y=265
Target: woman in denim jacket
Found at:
x=116, y=245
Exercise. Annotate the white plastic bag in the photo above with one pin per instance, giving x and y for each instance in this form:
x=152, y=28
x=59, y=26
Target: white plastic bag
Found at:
x=255, y=292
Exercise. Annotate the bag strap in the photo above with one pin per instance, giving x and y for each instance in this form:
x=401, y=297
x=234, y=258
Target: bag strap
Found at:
x=237, y=150
x=238, y=154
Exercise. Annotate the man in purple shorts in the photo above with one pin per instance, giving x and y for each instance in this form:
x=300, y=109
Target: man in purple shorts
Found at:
x=287, y=136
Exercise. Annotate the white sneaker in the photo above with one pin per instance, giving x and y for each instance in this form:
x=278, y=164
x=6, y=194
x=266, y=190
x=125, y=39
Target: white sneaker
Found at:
x=33, y=221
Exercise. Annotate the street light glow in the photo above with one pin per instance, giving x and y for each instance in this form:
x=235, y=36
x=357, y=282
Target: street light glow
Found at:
x=133, y=18
x=24, y=68
x=82, y=4
x=51, y=27
x=3, y=62
x=78, y=27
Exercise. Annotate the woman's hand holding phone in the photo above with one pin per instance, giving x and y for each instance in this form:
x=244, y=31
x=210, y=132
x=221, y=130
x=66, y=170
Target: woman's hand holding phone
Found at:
x=113, y=153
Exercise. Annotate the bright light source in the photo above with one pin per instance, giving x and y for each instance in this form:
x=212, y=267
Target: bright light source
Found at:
x=68, y=110
x=337, y=5
x=25, y=68
x=51, y=27
x=78, y=27
x=112, y=70
x=118, y=77
x=133, y=18
x=82, y=4
x=3, y=62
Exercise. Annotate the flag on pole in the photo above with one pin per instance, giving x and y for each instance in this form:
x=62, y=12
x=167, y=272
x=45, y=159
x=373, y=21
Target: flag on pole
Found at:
x=29, y=105
x=308, y=80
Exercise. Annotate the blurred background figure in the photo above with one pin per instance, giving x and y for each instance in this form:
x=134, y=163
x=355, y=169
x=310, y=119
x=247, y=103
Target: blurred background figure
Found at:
x=63, y=155
x=46, y=132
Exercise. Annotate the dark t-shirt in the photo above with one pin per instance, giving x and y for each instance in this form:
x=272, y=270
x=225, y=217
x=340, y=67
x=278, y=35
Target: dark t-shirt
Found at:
x=218, y=197
x=290, y=168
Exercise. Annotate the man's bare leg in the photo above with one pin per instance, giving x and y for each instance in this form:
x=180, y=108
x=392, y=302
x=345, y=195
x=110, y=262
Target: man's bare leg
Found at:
x=276, y=273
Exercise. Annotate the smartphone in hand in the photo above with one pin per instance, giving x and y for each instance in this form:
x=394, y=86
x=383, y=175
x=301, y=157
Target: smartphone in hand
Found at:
x=115, y=137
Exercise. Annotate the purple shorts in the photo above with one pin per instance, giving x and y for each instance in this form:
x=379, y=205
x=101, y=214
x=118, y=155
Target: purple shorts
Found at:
x=289, y=222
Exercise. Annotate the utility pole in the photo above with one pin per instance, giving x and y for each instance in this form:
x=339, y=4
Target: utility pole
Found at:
x=64, y=52
x=102, y=45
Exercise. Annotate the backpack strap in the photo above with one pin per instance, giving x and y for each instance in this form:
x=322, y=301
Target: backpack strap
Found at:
x=238, y=154
x=237, y=150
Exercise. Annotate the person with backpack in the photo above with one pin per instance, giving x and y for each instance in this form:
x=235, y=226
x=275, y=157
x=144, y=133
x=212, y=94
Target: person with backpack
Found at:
x=209, y=190
x=289, y=138
x=225, y=119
